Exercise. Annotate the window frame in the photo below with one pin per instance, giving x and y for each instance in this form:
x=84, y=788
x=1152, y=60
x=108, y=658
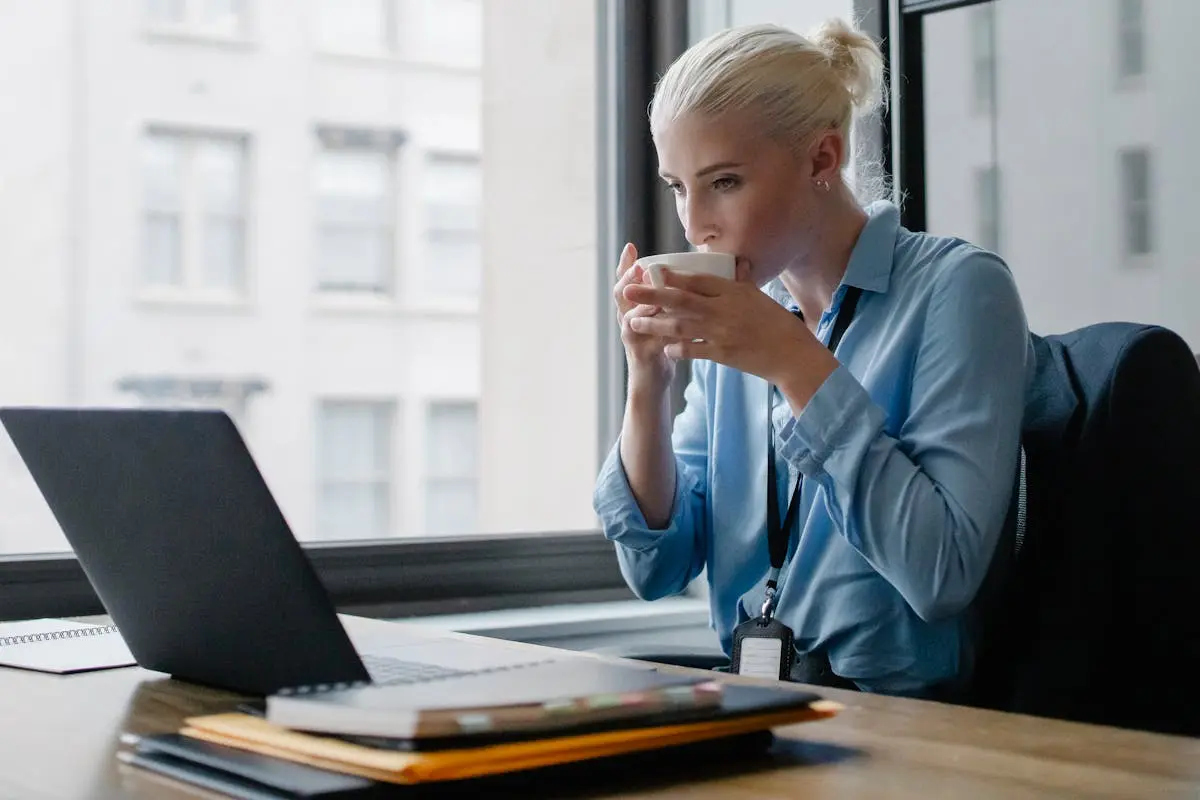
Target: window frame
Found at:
x=191, y=28
x=389, y=411
x=1123, y=34
x=1131, y=206
x=419, y=286
x=389, y=144
x=192, y=287
x=418, y=576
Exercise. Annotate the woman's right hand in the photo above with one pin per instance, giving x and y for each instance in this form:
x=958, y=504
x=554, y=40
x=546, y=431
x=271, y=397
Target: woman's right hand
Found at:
x=649, y=366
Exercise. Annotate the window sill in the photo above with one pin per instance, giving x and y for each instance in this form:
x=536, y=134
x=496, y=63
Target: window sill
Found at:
x=200, y=301
x=366, y=303
x=188, y=35
x=391, y=59
x=584, y=619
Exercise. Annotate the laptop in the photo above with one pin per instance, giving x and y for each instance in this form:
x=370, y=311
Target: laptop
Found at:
x=176, y=529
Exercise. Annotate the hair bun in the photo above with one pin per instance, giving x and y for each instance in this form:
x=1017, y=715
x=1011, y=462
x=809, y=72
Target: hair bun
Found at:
x=857, y=60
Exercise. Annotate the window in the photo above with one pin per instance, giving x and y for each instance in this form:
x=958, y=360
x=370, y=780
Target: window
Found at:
x=223, y=18
x=1090, y=190
x=453, y=261
x=1131, y=39
x=1136, y=207
x=983, y=57
x=987, y=203
x=356, y=26
x=451, y=469
x=354, y=467
x=248, y=228
x=355, y=249
x=194, y=217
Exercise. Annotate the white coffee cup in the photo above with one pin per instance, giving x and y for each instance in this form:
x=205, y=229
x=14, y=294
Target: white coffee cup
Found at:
x=723, y=265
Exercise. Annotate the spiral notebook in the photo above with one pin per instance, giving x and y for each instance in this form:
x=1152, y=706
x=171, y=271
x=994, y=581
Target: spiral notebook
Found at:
x=61, y=646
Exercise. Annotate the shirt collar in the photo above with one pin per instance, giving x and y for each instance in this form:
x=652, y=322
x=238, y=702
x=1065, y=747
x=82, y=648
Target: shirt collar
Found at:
x=870, y=266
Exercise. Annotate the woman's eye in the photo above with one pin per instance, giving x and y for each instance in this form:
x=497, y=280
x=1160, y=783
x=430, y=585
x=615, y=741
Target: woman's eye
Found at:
x=725, y=183
x=677, y=188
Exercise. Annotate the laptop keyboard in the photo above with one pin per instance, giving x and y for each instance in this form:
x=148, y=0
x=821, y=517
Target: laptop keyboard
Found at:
x=394, y=671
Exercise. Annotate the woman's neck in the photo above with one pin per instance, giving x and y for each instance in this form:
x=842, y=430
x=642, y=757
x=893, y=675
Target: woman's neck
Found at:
x=813, y=279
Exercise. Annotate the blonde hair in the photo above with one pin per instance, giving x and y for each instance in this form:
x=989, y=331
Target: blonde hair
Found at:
x=798, y=86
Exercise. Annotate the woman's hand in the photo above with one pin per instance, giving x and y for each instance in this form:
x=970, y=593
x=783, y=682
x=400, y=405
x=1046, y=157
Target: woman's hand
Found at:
x=733, y=323
x=649, y=365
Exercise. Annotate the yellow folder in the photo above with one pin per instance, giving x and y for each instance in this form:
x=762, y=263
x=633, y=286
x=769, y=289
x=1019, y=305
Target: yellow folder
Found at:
x=251, y=733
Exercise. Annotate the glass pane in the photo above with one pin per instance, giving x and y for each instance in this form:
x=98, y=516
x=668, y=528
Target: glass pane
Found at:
x=162, y=173
x=452, y=255
x=353, y=259
x=354, y=511
x=354, y=25
x=354, y=210
x=162, y=250
x=1095, y=224
x=452, y=441
x=219, y=168
x=172, y=12
x=192, y=212
x=224, y=254
x=355, y=441
x=225, y=17
x=451, y=507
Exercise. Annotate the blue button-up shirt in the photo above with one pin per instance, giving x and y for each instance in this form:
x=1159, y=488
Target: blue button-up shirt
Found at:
x=908, y=453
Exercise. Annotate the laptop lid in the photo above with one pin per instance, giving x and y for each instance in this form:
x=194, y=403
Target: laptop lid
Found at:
x=180, y=536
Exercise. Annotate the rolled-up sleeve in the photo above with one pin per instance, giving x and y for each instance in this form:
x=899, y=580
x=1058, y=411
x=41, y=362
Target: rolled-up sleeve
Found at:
x=926, y=507
x=661, y=562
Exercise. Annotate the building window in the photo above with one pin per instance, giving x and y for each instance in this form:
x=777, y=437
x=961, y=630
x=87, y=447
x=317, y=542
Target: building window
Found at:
x=1136, y=202
x=987, y=205
x=357, y=26
x=1131, y=39
x=356, y=216
x=453, y=250
x=231, y=395
x=354, y=469
x=983, y=58
x=225, y=18
x=194, y=213
x=451, y=468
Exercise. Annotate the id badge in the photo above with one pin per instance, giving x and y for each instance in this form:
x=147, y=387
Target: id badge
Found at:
x=763, y=649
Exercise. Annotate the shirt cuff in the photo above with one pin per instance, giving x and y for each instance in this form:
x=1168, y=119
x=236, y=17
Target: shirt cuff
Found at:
x=839, y=408
x=622, y=518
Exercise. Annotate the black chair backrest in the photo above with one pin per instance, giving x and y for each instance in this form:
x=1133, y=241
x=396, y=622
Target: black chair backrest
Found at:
x=1098, y=615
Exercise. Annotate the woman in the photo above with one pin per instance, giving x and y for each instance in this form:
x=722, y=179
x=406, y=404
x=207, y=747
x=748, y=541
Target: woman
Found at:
x=901, y=450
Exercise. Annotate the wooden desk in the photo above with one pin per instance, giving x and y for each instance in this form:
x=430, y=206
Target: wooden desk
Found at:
x=58, y=736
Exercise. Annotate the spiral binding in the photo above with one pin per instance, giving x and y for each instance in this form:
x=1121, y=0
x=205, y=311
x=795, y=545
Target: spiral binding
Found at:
x=73, y=633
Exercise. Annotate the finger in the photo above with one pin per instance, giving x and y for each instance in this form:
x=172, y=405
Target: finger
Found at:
x=742, y=271
x=696, y=283
x=642, y=311
x=674, y=299
x=628, y=257
x=689, y=349
x=666, y=327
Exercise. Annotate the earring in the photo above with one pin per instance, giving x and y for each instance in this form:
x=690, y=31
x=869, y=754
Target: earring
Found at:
x=822, y=184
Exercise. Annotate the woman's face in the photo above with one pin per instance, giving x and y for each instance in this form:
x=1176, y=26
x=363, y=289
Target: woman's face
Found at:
x=738, y=191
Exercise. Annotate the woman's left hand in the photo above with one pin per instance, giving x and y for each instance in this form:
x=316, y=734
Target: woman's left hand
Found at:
x=733, y=323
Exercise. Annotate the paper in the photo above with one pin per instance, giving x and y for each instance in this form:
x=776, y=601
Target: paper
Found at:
x=79, y=653
x=256, y=735
x=760, y=657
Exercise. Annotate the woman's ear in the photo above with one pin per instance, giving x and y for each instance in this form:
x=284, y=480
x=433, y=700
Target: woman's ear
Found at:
x=828, y=152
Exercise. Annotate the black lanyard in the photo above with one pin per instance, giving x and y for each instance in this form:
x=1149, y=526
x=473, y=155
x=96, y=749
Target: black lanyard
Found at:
x=777, y=534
